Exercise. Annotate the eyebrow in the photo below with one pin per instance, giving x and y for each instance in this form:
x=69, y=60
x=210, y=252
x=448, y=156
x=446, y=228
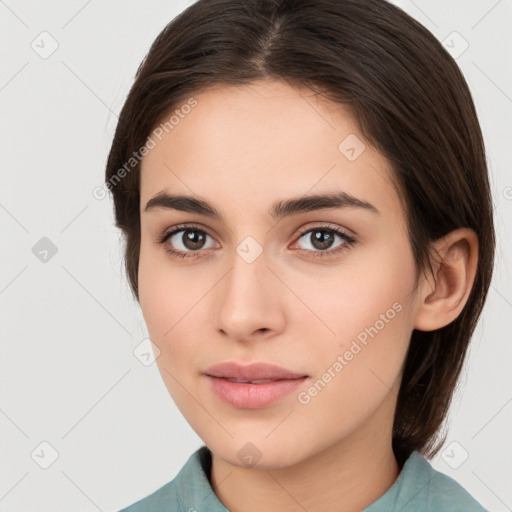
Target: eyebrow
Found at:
x=279, y=210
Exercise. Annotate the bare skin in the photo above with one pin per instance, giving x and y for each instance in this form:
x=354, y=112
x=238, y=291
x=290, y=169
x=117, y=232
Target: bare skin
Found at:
x=243, y=149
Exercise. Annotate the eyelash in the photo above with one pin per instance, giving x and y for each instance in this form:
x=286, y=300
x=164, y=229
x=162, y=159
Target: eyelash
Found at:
x=348, y=240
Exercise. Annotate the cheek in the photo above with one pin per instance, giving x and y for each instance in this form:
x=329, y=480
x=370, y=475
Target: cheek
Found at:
x=352, y=296
x=164, y=310
x=368, y=310
x=159, y=298
x=359, y=369
x=174, y=309
x=156, y=305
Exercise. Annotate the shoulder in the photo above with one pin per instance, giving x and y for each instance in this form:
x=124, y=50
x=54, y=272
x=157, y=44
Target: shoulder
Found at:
x=189, y=490
x=421, y=488
x=445, y=493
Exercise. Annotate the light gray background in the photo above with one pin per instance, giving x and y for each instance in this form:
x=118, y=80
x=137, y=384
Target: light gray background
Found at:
x=69, y=324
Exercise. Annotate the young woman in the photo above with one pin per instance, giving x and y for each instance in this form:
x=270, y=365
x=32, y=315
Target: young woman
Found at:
x=303, y=190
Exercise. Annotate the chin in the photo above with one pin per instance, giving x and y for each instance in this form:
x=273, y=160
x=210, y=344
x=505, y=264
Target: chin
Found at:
x=259, y=453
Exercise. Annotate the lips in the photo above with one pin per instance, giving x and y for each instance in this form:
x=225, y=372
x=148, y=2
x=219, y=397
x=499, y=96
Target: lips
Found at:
x=252, y=386
x=256, y=373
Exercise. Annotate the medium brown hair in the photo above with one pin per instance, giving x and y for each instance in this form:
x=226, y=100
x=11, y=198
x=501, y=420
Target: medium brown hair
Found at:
x=411, y=103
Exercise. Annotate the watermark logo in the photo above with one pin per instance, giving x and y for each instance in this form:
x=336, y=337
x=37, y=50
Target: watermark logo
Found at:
x=44, y=250
x=146, y=352
x=455, y=44
x=455, y=455
x=45, y=45
x=249, y=249
x=44, y=455
x=351, y=147
x=249, y=454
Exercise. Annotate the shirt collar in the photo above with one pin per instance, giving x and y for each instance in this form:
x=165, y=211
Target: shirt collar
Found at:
x=194, y=490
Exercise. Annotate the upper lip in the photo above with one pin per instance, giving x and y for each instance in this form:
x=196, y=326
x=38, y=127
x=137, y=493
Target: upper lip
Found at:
x=254, y=371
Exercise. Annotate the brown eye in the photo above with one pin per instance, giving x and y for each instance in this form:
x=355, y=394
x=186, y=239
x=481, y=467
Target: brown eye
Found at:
x=321, y=239
x=185, y=241
x=193, y=239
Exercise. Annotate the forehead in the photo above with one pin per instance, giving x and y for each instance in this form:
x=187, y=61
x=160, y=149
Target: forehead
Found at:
x=263, y=141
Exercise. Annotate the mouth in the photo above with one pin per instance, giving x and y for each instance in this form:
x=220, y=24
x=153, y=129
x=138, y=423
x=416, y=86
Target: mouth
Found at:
x=252, y=386
x=252, y=372
x=242, y=381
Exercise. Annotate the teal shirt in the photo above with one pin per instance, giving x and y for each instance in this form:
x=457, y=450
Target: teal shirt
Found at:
x=418, y=488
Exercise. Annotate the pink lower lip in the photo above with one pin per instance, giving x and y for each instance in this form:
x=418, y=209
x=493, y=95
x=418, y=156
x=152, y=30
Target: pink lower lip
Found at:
x=252, y=396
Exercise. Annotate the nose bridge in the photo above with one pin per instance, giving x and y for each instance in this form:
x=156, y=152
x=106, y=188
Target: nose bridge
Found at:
x=246, y=284
x=248, y=263
x=248, y=300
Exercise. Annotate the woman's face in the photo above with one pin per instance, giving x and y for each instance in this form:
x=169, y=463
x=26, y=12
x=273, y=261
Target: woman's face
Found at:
x=268, y=281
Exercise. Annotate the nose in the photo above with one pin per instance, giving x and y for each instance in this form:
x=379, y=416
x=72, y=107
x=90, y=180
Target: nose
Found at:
x=249, y=301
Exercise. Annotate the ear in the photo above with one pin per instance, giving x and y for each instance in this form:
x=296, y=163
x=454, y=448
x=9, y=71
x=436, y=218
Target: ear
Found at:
x=442, y=297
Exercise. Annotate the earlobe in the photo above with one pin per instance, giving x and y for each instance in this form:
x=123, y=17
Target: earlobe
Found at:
x=441, y=299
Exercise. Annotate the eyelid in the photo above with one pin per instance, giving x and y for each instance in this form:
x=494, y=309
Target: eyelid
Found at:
x=349, y=234
x=181, y=227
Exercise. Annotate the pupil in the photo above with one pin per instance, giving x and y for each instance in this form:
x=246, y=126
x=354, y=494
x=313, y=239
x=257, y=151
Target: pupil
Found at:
x=193, y=239
x=322, y=239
